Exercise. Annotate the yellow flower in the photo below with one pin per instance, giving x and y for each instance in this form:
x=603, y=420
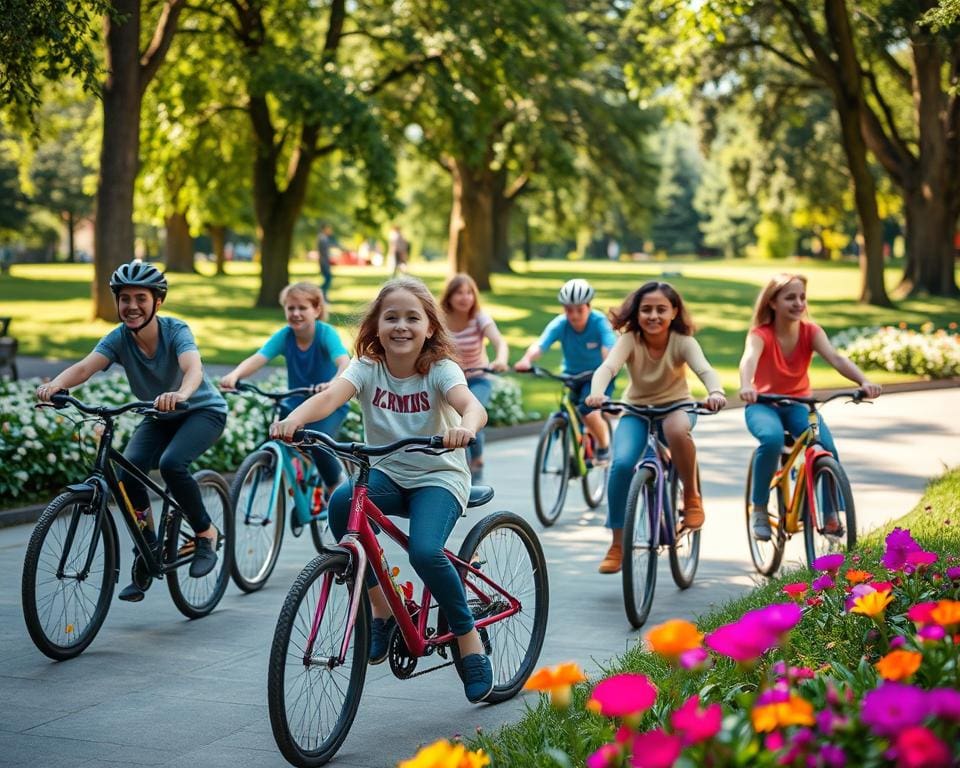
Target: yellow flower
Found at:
x=872, y=604
x=557, y=682
x=794, y=711
x=946, y=613
x=899, y=665
x=674, y=637
x=443, y=754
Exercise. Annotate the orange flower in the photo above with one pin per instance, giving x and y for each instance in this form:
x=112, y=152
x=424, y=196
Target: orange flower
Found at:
x=780, y=714
x=899, y=665
x=872, y=604
x=674, y=637
x=556, y=681
x=857, y=577
x=946, y=613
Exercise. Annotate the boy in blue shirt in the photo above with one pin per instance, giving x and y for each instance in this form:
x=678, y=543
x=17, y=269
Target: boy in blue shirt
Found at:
x=586, y=338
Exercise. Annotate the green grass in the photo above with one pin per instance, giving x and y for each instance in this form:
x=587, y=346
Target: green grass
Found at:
x=50, y=306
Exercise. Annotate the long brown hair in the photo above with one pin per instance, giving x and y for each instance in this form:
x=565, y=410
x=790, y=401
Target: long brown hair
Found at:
x=455, y=284
x=436, y=348
x=625, y=317
x=762, y=313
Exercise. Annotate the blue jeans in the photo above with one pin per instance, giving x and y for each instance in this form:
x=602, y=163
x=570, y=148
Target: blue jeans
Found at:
x=432, y=511
x=327, y=274
x=482, y=389
x=629, y=446
x=327, y=464
x=767, y=423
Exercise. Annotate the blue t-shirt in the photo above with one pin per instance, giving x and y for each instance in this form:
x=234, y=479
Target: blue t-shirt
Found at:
x=152, y=376
x=581, y=351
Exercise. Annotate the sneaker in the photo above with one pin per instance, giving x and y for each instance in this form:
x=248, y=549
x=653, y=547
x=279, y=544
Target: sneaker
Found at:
x=204, y=558
x=613, y=560
x=380, y=639
x=693, y=516
x=477, y=677
x=760, y=523
x=131, y=593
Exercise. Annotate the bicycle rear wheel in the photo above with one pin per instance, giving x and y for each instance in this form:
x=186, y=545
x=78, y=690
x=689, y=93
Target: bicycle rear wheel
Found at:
x=766, y=555
x=506, y=549
x=595, y=480
x=195, y=598
x=639, y=555
x=312, y=700
x=834, y=527
x=685, y=552
x=551, y=470
x=64, y=612
x=258, y=530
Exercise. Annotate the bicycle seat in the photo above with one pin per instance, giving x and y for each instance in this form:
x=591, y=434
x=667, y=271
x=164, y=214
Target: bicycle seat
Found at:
x=479, y=495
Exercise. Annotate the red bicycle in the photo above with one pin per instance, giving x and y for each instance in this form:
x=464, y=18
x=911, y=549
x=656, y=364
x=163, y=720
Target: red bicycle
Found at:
x=318, y=660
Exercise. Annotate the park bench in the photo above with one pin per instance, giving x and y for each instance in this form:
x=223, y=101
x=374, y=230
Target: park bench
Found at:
x=8, y=350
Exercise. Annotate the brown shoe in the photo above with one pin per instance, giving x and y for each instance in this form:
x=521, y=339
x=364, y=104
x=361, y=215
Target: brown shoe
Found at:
x=693, y=516
x=612, y=560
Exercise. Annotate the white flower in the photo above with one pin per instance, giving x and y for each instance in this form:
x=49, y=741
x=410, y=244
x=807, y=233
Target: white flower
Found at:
x=51, y=458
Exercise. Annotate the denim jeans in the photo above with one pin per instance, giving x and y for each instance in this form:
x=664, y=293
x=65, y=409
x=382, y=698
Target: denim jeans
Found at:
x=629, y=446
x=328, y=465
x=482, y=389
x=432, y=512
x=172, y=445
x=767, y=423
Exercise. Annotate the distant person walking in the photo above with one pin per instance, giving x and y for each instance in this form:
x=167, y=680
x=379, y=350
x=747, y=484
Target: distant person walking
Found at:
x=398, y=250
x=325, y=241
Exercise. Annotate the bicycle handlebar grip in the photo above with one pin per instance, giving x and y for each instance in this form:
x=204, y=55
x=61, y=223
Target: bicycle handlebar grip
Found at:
x=59, y=399
x=298, y=436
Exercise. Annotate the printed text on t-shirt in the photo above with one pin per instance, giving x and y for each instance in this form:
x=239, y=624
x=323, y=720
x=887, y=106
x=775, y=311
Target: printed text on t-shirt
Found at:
x=415, y=403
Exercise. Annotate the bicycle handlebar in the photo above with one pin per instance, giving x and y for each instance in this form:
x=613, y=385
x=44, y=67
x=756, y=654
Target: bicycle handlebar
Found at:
x=246, y=386
x=652, y=411
x=62, y=399
x=855, y=395
x=307, y=436
x=567, y=379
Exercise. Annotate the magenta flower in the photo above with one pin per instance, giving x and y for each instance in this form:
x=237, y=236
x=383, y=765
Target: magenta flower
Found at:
x=830, y=563
x=832, y=756
x=893, y=707
x=655, y=749
x=899, y=544
x=823, y=582
x=920, y=613
x=755, y=633
x=932, y=633
x=695, y=658
x=778, y=617
x=897, y=642
x=953, y=573
x=921, y=559
x=944, y=703
x=607, y=756
x=623, y=695
x=695, y=724
x=918, y=747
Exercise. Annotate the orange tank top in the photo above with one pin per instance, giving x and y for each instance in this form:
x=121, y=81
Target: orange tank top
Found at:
x=784, y=374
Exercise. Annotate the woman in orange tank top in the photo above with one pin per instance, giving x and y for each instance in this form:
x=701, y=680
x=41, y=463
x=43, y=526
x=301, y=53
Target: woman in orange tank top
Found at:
x=776, y=359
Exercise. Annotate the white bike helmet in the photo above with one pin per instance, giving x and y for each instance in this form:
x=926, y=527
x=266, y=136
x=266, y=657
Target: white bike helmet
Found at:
x=576, y=291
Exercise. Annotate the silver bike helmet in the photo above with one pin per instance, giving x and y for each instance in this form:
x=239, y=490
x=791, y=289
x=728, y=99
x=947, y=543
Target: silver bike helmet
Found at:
x=576, y=291
x=138, y=274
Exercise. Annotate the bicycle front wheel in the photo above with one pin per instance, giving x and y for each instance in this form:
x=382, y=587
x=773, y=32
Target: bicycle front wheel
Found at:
x=506, y=549
x=685, y=552
x=551, y=470
x=766, y=555
x=639, y=554
x=258, y=527
x=311, y=696
x=195, y=598
x=65, y=610
x=595, y=480
x=833, y=526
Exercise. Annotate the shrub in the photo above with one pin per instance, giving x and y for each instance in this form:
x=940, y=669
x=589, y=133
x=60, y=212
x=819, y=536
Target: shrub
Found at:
x=927, y=352
x=506, y=403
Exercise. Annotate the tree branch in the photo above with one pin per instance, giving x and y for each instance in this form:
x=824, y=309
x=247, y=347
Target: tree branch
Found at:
x=153, y=57
x=891, y=134
x=415, y=65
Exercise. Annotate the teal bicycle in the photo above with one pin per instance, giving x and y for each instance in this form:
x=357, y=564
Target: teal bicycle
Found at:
x=275, y=480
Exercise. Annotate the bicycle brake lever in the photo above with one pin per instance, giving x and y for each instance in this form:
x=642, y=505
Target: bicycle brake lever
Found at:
x=429, y=451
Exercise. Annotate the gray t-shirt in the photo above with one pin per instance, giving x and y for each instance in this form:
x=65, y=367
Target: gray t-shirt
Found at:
x=152, y=376
x=415, y=406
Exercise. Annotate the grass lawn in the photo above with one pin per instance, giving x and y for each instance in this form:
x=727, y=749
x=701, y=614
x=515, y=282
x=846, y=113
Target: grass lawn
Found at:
x=50, y=306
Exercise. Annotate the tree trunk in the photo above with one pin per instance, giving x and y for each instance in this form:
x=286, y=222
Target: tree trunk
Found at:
x=218, y=240
x=275, y=258
x=71, y=237
x=930, y=228
x=471, y=223
x=502, y=210
x=119, y=148
x=178, y=249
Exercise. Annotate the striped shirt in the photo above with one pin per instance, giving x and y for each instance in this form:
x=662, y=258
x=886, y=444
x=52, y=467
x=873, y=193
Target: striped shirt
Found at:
x=471, y=351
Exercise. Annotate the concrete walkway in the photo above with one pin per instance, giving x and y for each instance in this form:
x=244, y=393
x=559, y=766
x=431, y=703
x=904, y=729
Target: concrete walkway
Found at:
x=154, y=689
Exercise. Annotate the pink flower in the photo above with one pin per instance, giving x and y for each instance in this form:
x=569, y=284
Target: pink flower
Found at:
x=944, y=703
x=882, y=586
x=655, y=749
x=918, y=747
x=695, y=724
x=755, y=633
x=623, y=695
x=920, y=613
x=921, y=558
x=899, y=544
x=858, y=591
x=823, y=582
x=932, y=633
x=695, y=658
x=606, y=757
x=797, y=590
x=830, y=563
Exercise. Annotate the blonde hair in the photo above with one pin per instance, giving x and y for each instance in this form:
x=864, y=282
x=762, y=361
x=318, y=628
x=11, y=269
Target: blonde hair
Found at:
x=762, y=313
x=311, y=292
x=455, y=284
x=436, y=348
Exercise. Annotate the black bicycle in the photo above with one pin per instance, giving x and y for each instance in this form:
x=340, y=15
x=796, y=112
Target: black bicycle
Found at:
x=73, y=559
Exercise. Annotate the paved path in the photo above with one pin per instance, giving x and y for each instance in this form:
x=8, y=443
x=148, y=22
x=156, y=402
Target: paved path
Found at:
x=154, y=689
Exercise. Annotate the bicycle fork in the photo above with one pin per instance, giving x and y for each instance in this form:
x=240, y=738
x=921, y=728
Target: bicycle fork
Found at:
x=98, y=512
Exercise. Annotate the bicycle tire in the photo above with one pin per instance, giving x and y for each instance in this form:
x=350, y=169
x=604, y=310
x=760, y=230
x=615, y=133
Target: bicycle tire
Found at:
x=766, y=555
x=70, y=595
x=685, y=551
x=509, y=552
x=552, y=459
x=594, y=481
x=195, y=598
x=639, y=570
x=829, y=481
x=256, y=541
x=302, y=744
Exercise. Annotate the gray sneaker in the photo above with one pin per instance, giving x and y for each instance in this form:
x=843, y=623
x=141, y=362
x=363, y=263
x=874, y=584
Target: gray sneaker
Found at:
x=760, y=522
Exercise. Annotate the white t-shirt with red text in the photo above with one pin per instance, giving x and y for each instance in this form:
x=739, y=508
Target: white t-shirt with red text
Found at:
x=415, y=406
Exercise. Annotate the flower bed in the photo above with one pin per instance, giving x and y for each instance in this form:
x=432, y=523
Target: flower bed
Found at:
x=926, y=352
